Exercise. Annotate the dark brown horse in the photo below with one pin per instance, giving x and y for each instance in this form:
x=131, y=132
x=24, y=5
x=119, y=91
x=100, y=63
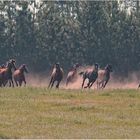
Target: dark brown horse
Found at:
x=6, y=73
x=57, y=75
x=19, y=76
x=72, y=74
x=90, y=75
x=104, y=76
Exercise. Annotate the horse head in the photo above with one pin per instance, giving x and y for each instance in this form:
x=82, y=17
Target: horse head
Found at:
x=57, y=65
x=109, y=67
x=24, y=68
x=96, y=66
x=13, y=61
x=77, y=65
x=11, y=64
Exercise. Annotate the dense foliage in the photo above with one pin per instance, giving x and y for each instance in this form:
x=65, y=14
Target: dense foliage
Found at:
x=42, y=33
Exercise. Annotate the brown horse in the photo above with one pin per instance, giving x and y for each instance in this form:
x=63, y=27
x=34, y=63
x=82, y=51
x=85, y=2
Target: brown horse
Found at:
x=57, y=75
x=6, y=73
x=90, y=75
x=104, y=76
x=72, y=74
x=19, y=76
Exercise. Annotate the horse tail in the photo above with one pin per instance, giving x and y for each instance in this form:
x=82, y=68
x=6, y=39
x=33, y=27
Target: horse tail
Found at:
x=81, y=73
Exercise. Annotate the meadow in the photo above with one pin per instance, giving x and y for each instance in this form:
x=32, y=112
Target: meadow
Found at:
x=33, y=112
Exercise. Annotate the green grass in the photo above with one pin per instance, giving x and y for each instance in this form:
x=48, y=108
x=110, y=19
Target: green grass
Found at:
x=40, y=113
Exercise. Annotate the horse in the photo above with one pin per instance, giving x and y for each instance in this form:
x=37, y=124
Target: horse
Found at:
x=6, y=73
x=1, y=69
x=90, y=75
x=104, y=76
x=57, y=75
x=72, y=74
x=19, y=76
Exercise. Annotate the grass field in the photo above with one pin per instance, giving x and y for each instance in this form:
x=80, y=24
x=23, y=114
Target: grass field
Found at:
x=40, y=113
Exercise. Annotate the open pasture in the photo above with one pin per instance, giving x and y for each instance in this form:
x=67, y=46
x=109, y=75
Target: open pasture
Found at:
x=41, y=113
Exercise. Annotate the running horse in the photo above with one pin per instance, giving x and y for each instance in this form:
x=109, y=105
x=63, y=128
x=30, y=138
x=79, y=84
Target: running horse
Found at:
x=19, y=76
x=72, y=74
x=104, y=76
x=6, y=73
x=57, y=75
x=90, y=75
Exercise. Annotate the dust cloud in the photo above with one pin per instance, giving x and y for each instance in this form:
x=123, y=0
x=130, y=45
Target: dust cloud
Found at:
x=37, y=80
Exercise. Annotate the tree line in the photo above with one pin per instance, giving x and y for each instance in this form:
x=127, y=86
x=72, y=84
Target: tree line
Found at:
x=40, y=33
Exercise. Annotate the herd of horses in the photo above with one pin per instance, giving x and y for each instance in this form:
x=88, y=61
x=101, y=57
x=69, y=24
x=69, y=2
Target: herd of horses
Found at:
x=9, y=74
x=102, y=76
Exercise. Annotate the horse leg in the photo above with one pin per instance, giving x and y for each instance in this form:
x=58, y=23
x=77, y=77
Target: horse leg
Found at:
x=4, y=83
x=24, y=82
x=67, y=81
x=0, y=84
x=20, y=83
x=9, y=81
x=97, y=85
x=50, y=83
x=12, y=82
x=91, y=84
x=100, y=84
x=88, y=85
x=16, y=83
x=83, y=82
x=138, y=85
x=105, y=83
x=57, y=86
